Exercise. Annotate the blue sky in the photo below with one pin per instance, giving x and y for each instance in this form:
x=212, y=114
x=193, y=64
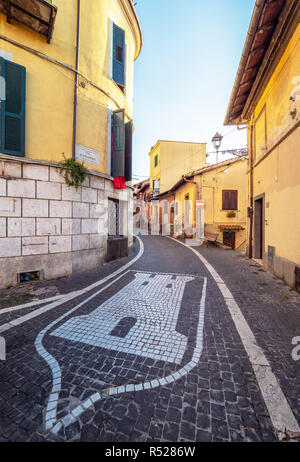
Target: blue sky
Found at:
x=185, y=72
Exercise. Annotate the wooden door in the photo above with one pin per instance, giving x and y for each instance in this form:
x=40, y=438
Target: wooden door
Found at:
x=258, y=227
x=229, y=238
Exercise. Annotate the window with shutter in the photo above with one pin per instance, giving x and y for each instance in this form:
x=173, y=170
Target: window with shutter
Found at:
x=233, y=202
x=118, y=144
x=229, y=199
x=128, y=151
x=13, y=83
x=156, y=160
x=119, y=56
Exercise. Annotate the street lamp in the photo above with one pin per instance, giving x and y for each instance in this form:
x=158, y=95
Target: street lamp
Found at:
x=217, y=140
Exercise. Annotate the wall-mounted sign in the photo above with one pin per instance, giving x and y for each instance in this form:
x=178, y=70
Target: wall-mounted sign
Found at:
x=199, y=204
x=87, y=155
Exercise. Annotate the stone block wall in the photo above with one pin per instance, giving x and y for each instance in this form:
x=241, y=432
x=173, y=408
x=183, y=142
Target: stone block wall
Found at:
x=46, y=226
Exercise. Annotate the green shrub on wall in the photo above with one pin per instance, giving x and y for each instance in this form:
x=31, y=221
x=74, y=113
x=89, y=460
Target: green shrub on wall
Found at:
x=73, y=172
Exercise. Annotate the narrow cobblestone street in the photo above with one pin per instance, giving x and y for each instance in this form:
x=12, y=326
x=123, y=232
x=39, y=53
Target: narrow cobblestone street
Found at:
x=153, y=352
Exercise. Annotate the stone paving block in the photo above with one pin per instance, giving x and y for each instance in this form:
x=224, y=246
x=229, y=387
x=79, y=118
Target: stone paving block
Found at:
x=36, y=172
x=89, y=195
x=80, y=242
x=60, y=244
x=70, y=193
x=35, y=208
x=2, y=227
x=48, y=190
x=71, y=226
x=10, y=247
x=2, y=187
x=81, y=210
x=89, y=226
x=20, y=227
x=34, y=245
x=12, y=169
x=47, y=226
x=61, y=209
x=10, y=207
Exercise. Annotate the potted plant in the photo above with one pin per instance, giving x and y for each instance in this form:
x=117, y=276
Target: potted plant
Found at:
x=231, y=213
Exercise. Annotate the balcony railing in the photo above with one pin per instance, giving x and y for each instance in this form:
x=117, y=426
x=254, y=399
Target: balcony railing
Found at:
x=39, y=15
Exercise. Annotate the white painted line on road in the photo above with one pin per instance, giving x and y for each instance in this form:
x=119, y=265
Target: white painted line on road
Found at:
x=30, y=304
x=279, y=409
x=69, y=418
x=72, y=295
x=50, y=417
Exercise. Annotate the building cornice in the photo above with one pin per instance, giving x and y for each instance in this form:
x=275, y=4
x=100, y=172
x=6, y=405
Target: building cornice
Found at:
x=28, y=160
x=130, y=13
x=271, y=25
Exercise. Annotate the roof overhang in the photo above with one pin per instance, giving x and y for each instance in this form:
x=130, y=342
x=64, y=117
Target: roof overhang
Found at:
x=271, y=21
x=207, y=168
x=131, y=15
x=231, y=227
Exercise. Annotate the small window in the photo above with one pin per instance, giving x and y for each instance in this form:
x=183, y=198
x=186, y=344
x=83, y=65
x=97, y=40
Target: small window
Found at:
x=229, y=199
x=156, y=160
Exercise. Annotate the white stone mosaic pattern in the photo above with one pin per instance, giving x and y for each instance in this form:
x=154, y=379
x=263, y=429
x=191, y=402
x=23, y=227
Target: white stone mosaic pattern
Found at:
x=154, y=300
x=113, y=391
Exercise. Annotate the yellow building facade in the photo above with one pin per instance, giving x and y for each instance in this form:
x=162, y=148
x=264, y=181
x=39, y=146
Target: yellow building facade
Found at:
x=66, y=91
x=222, y=187
x=270, y=105
x=171, y=159
x=50, y=74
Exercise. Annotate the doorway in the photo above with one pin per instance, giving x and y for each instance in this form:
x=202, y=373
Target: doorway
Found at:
x=259, y=226
x=229, y=239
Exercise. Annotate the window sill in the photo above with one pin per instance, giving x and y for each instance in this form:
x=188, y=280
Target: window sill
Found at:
x=123, y=93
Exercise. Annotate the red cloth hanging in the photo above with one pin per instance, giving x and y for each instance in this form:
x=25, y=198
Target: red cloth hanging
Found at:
x=119, y=182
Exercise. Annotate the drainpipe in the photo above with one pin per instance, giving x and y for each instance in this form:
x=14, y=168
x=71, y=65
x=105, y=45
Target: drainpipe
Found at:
x=76, y=81
x=251, y=209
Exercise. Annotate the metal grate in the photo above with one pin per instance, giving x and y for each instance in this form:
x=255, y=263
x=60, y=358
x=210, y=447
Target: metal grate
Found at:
x=29, y=276
x=113, y=217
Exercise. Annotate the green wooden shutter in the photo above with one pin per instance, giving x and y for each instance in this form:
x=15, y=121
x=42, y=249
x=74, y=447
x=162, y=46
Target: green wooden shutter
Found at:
x=118, y=55
x=118, y=151
x=128, y=151
x=13, y=90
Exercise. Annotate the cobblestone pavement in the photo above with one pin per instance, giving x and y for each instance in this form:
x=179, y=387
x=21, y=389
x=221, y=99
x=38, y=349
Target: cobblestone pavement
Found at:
x=151, y=355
